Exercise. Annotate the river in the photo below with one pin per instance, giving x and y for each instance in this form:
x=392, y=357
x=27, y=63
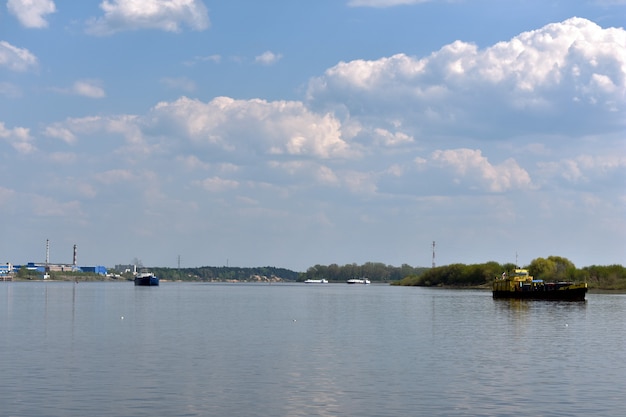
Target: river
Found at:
x=196, y=349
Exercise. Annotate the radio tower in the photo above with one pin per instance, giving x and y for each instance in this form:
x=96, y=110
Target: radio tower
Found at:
x=433, y=253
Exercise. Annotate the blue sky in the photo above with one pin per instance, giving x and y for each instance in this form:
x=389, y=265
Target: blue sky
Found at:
x=291, y=133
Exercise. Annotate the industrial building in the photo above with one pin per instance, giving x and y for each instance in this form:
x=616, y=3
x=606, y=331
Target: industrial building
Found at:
x=6, y=272
x=46, y=267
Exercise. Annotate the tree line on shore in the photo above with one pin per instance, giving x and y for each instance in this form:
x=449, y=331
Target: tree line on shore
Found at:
x=223, y=273
x=552, y=268
x=334, y=273
x=374, y=271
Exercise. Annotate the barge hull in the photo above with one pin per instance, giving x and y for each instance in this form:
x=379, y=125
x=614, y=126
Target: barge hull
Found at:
x=577, y=294
x=147, y=281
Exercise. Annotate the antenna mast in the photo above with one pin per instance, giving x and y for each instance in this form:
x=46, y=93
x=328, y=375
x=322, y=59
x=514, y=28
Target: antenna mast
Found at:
x=433, y=253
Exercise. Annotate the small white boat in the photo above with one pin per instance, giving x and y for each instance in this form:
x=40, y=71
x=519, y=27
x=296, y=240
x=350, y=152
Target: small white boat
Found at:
x=316, y=281
x=358, y=281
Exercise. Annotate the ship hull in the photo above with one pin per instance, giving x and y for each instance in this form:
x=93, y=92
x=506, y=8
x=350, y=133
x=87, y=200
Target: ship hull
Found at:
x=150, y=281
x=575, y=294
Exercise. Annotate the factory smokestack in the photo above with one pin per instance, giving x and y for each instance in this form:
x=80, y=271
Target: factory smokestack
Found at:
x=47, y=251
x=74, y=259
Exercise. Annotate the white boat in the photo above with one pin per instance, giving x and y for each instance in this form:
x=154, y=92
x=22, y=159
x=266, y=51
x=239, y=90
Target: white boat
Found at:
x=316, y=281
x=358, y=281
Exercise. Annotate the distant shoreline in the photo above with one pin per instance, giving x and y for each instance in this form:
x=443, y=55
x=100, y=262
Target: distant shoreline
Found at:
x=485, y=287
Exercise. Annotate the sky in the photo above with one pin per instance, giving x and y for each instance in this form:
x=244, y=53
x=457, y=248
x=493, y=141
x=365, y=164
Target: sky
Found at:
x=291, y=133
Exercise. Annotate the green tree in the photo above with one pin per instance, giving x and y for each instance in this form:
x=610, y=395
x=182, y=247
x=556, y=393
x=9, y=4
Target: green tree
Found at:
x=22, y=273
x=542, y=268
x=554, y=268
x=611, y=277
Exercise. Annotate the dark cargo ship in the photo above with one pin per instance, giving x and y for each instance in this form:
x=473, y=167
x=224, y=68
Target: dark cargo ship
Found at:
x=146, y=279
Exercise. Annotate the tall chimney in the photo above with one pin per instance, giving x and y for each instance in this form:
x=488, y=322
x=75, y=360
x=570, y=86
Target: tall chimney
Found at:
x=47, y=251
x=75, y=256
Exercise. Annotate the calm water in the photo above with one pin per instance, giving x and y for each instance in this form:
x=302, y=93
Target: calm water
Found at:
x=112, y=349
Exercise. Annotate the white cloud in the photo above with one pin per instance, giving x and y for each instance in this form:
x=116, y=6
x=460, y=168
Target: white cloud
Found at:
x=31, y=13
x=84, y=88
x=392, y=138
x=269, y=128
x=470, y=166
x=19, y=138
x=569, y=76
x=133, y=145
x=71, y=128
x=585, y=169
x=16, y=59
x=232, y=143
x=268, y=58
x=88, y=88
x=60, y=132
x=167, y=15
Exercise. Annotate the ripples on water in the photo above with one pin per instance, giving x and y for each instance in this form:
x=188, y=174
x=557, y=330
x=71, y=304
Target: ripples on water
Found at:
x=112, y=349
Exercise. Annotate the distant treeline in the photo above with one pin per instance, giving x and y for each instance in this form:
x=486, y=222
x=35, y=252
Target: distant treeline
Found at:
x=374, y=271
x=553, y=268
x=223, y=273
